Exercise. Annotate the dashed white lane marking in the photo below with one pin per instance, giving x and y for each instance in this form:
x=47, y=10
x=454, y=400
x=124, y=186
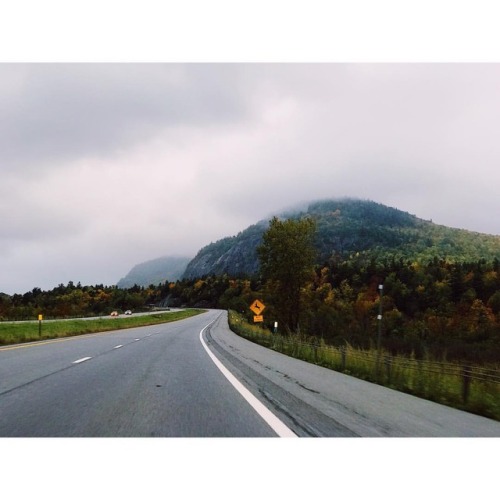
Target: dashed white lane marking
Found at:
x=81, y=360
x=87, y=358
x=272, y=420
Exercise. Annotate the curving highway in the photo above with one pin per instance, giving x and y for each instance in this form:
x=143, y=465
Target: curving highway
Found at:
x=195, y=378
x=148, y=381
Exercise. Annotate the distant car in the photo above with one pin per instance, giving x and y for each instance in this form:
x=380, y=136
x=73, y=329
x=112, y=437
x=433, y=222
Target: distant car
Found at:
x=114, y=314
x=128, y=312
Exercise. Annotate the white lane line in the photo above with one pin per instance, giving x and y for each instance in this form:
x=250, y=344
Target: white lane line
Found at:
x=81, y=360
x=118, y=346
x=271, y=419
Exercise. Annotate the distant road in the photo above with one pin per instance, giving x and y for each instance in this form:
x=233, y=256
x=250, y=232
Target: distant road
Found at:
x=104, y=316
x=196, y=378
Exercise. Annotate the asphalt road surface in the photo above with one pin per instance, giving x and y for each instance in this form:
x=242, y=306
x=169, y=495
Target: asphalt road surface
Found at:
x=148, y=381
x=195, y=378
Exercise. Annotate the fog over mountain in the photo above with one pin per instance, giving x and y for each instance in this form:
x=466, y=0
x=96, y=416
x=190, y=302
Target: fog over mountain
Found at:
x=347, y=227
x=155, y=271
x=106, y=165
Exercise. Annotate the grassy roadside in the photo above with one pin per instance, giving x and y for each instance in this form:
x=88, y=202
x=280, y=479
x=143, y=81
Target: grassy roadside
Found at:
x=476, y=389
x=16, y=333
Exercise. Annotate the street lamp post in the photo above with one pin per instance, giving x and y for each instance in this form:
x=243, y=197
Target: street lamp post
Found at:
x=379, y=318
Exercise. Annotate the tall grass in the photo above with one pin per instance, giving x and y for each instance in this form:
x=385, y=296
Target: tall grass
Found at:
x=16, y=333
x=475, y=389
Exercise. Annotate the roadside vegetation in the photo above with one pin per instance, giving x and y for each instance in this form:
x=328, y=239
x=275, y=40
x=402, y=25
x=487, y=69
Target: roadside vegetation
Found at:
x=15, y=333
x=475, y=389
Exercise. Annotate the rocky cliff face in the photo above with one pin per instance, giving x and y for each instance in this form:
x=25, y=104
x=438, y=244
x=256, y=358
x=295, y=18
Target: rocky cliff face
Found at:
x=235, y=256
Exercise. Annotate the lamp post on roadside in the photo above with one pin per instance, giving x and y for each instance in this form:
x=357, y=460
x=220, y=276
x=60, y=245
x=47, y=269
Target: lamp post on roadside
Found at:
x=379, y=319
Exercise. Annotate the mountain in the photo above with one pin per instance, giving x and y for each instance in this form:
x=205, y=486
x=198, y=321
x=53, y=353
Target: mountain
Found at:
x=235, y=255
x=154, y=272
x=351, y=227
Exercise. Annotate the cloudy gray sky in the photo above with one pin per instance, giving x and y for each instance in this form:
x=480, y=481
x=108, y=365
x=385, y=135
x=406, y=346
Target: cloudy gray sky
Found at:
x=103, y=166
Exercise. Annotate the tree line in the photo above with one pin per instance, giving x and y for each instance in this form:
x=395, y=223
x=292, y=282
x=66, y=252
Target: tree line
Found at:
x=69, y=301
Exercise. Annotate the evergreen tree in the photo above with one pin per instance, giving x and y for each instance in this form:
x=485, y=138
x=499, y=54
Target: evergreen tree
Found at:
x=287, y=257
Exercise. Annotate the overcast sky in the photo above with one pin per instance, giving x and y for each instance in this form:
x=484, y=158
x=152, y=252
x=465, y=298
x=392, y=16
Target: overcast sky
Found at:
x=104, y=166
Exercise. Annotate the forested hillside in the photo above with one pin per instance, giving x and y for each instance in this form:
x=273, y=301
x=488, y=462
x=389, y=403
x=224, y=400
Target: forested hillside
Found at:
x=348, y=228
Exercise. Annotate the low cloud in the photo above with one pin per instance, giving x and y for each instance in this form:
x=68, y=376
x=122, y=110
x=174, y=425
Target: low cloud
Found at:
x=105, y=166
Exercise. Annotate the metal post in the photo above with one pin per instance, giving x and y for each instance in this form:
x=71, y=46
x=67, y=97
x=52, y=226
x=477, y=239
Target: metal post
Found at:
x=379, y=318
x=466, y=380
x=40, y=318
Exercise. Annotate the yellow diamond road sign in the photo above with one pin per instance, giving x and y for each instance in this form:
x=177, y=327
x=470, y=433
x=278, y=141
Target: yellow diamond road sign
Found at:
x=257, y=307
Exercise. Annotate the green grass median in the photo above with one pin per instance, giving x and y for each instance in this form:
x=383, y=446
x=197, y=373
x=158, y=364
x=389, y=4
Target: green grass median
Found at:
x=19, y=332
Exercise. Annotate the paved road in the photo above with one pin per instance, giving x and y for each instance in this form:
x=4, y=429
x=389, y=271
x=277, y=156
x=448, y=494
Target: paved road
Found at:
x=149, y=381
x=168, y=380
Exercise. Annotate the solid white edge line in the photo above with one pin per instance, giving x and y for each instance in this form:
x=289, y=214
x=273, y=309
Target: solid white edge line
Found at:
x=81, y=360
x=272, y=420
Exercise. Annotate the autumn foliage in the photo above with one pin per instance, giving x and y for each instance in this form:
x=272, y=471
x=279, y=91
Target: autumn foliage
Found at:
x=446, y=310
